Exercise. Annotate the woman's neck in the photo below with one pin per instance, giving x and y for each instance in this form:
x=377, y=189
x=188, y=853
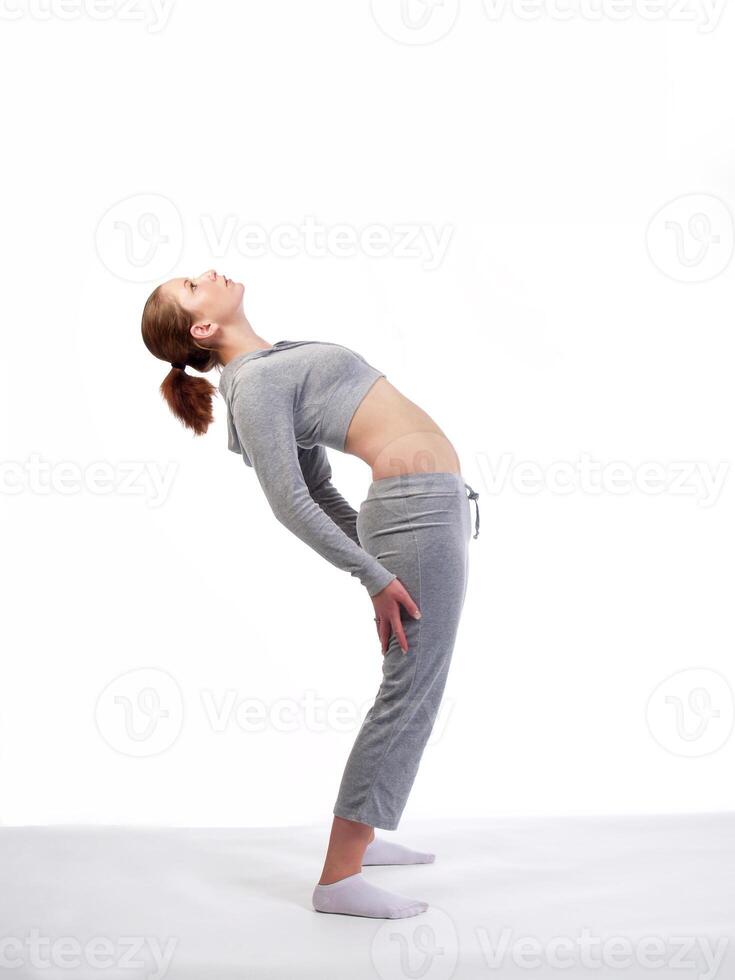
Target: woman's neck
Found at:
x=240, y=338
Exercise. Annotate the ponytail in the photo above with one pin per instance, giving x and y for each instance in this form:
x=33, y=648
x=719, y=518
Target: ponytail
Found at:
x=190, y=399
x=165, y=329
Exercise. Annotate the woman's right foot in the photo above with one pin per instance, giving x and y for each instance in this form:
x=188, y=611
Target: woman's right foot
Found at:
x=354, y=895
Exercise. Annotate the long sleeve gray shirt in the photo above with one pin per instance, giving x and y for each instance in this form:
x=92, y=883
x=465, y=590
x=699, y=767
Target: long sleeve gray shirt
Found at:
x=285, y=405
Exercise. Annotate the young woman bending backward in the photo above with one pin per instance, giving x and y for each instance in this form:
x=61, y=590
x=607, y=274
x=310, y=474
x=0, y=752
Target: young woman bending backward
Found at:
x=287, y=403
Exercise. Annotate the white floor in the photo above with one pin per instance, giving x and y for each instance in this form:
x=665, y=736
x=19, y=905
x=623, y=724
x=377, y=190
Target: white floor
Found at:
x=569, y=898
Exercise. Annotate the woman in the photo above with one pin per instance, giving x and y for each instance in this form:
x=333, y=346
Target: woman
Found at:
x=408, y=545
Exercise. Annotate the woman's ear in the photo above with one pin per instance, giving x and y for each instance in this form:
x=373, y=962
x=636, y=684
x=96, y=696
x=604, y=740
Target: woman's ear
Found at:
x=203, y=330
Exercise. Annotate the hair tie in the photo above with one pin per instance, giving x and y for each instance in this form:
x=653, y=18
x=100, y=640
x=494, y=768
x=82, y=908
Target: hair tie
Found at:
x=176, y=364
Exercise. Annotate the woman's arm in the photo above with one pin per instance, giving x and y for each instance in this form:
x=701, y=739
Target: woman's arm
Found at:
x=317, y=472
x=265, y=429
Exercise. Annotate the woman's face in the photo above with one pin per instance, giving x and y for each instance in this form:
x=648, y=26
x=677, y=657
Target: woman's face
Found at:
x=209, y=297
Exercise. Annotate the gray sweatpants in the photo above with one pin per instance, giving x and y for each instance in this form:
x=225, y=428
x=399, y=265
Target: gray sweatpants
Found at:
x=418, y=525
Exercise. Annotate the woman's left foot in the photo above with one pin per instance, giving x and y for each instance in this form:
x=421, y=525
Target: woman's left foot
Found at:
x=381, y=851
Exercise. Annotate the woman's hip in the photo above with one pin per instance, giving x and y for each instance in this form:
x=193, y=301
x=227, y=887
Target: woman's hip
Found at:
x=419, y=525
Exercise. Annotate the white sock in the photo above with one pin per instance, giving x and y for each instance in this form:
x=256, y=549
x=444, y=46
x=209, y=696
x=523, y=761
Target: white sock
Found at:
x=381, y=851
x=354, y=895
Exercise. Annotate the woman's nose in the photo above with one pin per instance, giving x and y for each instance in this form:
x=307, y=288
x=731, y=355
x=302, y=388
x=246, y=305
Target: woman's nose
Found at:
x=209, y=274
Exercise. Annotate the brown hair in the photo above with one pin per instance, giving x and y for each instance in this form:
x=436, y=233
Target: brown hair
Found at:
x=165, y=328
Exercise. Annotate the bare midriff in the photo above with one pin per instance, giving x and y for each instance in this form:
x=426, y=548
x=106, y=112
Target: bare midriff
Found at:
x=394, y=436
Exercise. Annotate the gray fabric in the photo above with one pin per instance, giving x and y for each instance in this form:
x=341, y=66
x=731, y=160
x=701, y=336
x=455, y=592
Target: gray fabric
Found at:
x=419, y=526
x=285, y=404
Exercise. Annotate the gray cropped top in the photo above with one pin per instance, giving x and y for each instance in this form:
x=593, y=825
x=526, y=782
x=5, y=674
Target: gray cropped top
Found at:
x=285, y=405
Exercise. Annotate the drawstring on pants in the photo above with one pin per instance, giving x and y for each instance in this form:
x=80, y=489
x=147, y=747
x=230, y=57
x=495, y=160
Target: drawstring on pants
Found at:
x=473, y=495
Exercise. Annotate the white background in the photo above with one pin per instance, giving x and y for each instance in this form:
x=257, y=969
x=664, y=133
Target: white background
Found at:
x=569, y=318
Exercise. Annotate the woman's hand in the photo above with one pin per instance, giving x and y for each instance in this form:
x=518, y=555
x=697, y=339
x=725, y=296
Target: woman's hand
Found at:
x=387, y=604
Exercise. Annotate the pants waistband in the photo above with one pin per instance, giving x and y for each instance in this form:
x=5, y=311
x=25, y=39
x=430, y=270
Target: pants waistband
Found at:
x=405, y=483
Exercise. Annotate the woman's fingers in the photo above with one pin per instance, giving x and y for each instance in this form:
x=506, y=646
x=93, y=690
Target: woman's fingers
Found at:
x=388, y=620
x=398, y=629
x=384, y=633
x=413, y=609
x=383, y=628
